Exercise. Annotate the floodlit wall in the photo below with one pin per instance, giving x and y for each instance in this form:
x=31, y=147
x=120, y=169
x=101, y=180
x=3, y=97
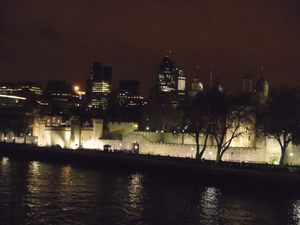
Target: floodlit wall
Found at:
x=247, y=148
x=189, y=150
x=119, y=130
x=87, y=138
x=58, y=136
x=73, y=136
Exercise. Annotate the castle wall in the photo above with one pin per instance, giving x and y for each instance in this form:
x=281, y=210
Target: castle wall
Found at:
x=119, y=130
x=87, y=139
x=72, y=136
x=58, y=136
x=247, y=148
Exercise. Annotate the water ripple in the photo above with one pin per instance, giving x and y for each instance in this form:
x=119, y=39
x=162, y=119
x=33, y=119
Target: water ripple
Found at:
x=40, y=193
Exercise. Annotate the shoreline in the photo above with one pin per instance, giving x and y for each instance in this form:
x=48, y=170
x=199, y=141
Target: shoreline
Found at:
x=186, y=168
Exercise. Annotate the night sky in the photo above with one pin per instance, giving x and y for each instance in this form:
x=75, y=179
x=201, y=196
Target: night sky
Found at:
x=59, y=39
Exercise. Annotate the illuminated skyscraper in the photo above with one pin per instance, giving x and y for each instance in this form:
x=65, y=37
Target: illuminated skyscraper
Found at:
x=99, y=86
x=166, y=76
x=171, y=82
x=180, y=78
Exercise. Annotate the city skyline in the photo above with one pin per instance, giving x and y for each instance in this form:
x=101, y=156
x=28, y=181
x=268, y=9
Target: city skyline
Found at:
x=149, y=112
x=47, y=41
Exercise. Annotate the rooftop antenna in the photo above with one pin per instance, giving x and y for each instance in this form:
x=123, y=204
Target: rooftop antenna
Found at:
x=210, y=76
x=262, y=71
x=198, y=71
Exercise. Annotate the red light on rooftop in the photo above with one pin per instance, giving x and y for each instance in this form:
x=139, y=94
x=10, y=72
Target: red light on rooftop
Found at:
x=168, y=53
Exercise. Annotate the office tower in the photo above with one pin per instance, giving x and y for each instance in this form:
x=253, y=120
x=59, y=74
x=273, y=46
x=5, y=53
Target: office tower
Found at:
x=180, y=81
x=166, y=76
x=99, y=86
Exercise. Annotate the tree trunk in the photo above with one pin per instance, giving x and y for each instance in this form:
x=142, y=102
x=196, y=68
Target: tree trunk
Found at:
x=219, y=156
x=201, y=154
x=282, y=157
x=218, y=159
x=197, y=146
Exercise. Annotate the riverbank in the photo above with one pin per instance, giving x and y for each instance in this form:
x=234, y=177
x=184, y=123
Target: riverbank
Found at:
x=185, y=168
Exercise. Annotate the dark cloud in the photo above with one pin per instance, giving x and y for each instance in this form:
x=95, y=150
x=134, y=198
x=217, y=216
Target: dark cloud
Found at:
x=51, y=39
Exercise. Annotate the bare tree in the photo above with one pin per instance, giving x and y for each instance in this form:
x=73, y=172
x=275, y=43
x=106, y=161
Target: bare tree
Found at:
x=281, y=121
x=197, y=122
x=229, y=119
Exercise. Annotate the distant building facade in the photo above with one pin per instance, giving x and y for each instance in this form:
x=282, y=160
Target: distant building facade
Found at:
x=171, y=82
x=99, y=86
x=61, y=97
x=128, y=95
x=17, y=95
x=166, y=76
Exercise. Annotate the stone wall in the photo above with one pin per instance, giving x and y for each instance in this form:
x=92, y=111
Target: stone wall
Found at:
x=243, y=148
x=120, y=130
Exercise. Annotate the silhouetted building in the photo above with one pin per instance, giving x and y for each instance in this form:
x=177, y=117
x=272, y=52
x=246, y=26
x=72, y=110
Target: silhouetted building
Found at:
x=61, y=97
x=30, y=89
x=19, y=95
x=8, y=88
x=131, y=87
x=99, y=86
x=129, y=94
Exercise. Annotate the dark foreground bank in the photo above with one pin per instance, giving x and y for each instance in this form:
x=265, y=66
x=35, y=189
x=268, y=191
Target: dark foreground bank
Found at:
x=190, y=169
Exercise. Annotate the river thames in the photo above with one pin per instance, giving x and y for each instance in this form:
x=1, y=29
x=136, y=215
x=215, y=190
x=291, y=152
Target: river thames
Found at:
x=33, y=192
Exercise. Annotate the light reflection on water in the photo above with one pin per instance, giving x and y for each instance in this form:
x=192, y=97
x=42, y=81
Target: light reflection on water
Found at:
x=135, y=192
x=4, y=162
x=210, y=203
x=4, y=167
x=40, y=193
x=296, y=212
x=34, y=180
x=66, y=176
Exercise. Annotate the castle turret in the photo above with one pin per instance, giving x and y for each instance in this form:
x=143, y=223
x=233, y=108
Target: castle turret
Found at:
x=247, y=83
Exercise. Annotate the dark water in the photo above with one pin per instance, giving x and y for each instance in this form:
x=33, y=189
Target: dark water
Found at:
x=41, y=193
